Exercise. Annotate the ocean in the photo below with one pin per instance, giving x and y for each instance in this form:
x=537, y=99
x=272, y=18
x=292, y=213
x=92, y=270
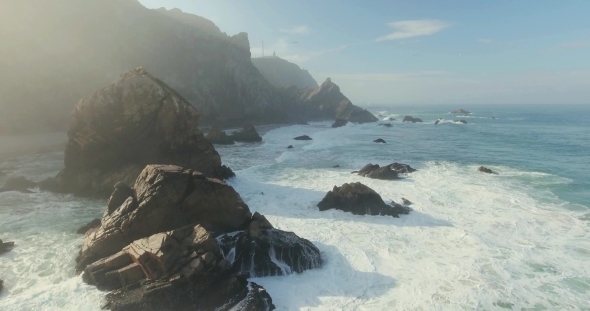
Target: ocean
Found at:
x=515, y=240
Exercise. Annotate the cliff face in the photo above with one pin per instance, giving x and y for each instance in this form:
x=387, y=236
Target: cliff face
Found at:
x=120, y=129
x=325, y=102
x=56, y=52
x=281, y=73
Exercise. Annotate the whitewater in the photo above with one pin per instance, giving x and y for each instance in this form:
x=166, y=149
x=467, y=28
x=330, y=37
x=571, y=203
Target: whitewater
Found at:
x=515, y=240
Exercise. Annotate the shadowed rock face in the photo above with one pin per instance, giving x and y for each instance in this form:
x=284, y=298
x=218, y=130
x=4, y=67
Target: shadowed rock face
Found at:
x=217, y=136
x=166, y=198
x=339, y=123
x=6, y=247
x=155, y=248
x=246, y=134
x=120, y=129
x=359, y=199
x=281, y=73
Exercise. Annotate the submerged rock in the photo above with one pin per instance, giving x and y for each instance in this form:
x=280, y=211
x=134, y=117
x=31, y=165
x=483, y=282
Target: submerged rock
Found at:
x=246, y=134
x=339, y=123
x=385, y=124
x=461, y=112
x=120, y=129
x=217, y=136
x=336, y=166
x=20, y=184
x=406, y=202
x=438, y=121
x=6, y=247
x=484, y=169
x=460, y=121
x=388, y=172
x=412, y=119
x=290, y=147
x=380, y=140
x=304, y=137
x=89, y=226
x=359, y=199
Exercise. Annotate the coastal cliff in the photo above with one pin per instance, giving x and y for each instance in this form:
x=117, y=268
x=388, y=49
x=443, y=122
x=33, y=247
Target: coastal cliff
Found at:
x=281, y=73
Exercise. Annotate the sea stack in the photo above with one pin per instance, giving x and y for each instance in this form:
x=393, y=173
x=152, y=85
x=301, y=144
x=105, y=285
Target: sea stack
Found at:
x=127, y=125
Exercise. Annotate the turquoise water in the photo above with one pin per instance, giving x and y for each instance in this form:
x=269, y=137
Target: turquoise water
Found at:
x=515, y=240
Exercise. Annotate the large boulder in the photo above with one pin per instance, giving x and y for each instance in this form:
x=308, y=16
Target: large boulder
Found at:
x=262, y=251
x=217, y=136
x=166, y=198
x=359, y=199
x=303, y=137
x=461, y=112
x=412, y=119
x=246, y=134
x=157, y=250
x=19, y=183
x=486, y=170
x=120, y=129
x=6, y=247
x=388, y=172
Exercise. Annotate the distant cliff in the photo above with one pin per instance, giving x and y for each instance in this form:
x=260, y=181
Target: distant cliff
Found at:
x=56, y=52
x=324, y=102
x=281, y=73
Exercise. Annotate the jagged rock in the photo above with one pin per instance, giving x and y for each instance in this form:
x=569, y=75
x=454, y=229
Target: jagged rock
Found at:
x=20, y=184
x=325, y=102
x=461, y=112
x=339, y=123
x=120, y=129
x=247, y=134
x=265, y=251
x=406, y=202
x=388, y=172
x=217, y=136
x=304, y=137
x=460, y=121
x=385, y=124
x=484, y=169
x=412, y=119
x=89, y=226
x=359, y=199
x=290, y=147
x=438, y=121
x=166, y=197
x=223, y=172
x=379, y=140
x=6, y=247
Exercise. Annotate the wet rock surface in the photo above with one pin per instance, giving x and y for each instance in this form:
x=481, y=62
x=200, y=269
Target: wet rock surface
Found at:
x=89, y=226
x=359, y=199
x=380, y=140
x=304, y=137
x=388, y=172
x=6, y=247
x=155, y=247
x=127, y=125
x=339, y=123
x=412, y=119
x=486, y=170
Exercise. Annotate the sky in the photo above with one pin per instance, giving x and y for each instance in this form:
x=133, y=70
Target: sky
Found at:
x=421, y=52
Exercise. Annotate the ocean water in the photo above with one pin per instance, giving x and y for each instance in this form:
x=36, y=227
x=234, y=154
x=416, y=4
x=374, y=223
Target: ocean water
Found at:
x=515, y=240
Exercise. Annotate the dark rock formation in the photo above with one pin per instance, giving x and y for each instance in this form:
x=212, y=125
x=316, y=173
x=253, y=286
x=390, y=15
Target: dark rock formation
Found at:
x=6, y=247
x=157, y=251
x=217, y=136
x=336, y=166
x=20, y=184
x=281, y=73
x=1, y=285
x=461, y=112
x=438, y=121
x=406, y=202
x=412, y=119
x=385, y=124
x=290, y=147
x=262, y=251
x=120, y=129
x=325, y=102
x=379, y=140
x=388, y=172
x=246, y=134
x=339, y=123
x=89, y=226
x=359, y=199
x=484, y=169
x=460, y=121
x=304, y=137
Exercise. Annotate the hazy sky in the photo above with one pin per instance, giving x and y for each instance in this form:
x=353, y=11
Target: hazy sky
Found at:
x=406, y=52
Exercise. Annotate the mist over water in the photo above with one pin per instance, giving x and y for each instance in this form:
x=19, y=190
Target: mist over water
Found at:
x=515, y=240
